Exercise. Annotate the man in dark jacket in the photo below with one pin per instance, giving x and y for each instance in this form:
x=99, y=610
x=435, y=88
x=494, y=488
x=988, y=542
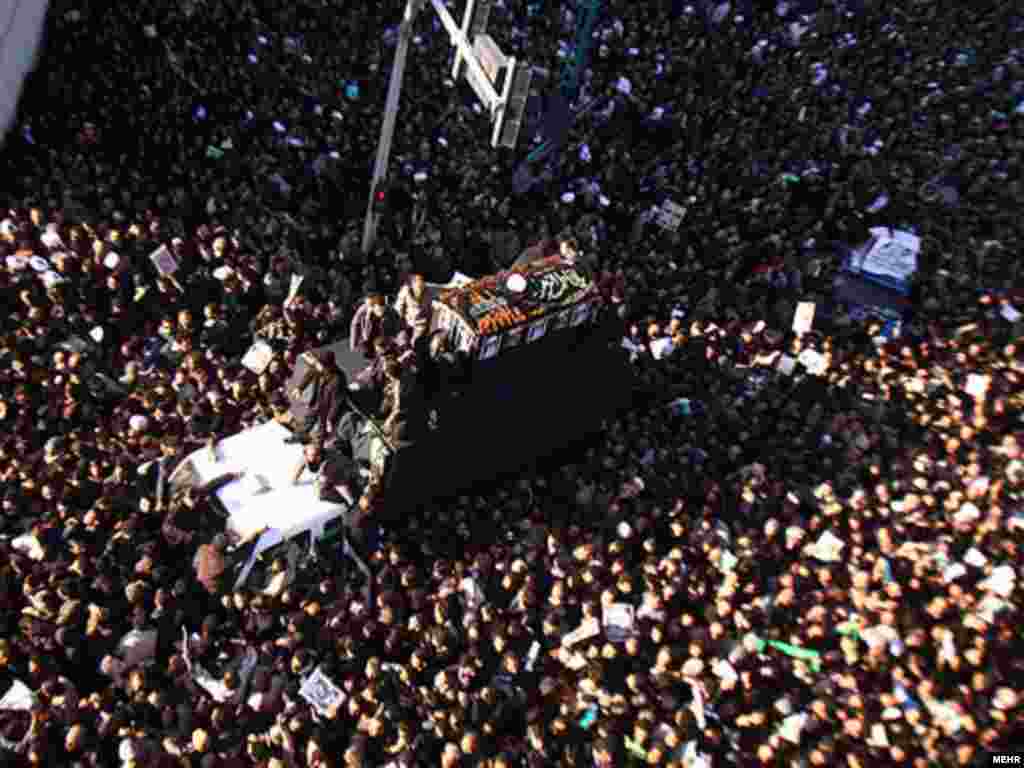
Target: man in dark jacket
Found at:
x=330, y=392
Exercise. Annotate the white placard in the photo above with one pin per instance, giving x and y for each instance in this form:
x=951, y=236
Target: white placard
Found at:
x=137, y=646
x=803, y=317
x=828, y=548
x=51, y=239
x=293, y=289
x=670, y=215
x=975, y=558
x=216, y=688
x=1002, y=581
x=185, y=653
x=584, y=631
x=977, y=385
x=661, y=348
x=814, y=362
x=321, y=692
x=459, y=280
x=1009, y=313
x=879, y=737
x=618, y=621
x=258, y=358
x=792, y=726
x=697, y=704
x=574, y=661
x=891, y=253
x=18, y=697
x=164, y=260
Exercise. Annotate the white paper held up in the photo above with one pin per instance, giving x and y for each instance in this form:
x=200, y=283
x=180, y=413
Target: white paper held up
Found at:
x=803, y=317
x=786, y=365
x=258, y=358
x=321, y=692
x=164, y=260
x=828, y=548
x=618, y=621
x=19, y=697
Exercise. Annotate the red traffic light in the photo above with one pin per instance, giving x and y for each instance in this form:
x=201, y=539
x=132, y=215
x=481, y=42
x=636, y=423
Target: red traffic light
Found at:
x=380, y=198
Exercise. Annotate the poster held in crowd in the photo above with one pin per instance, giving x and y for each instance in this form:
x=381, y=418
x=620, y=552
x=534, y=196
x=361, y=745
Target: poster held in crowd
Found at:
x=803, y=318
x=888, y=259
x=574, y=661
x=977, y=385
x=828, y=548
x=662, y=348
x=164, y=261
x=618, y=621
x=585, y=631
x=137, y=646
x=258, y=358
x=19, y=697
x=670, y=215
x=815, y=363
x=293, y=288
x=321, y=692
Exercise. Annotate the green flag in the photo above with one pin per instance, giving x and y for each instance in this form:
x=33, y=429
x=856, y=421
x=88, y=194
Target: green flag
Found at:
x=214, y=153
x=794, y=651
x=849, y=628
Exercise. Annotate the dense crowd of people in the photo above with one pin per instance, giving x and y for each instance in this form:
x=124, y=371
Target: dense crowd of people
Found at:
x=821, y=565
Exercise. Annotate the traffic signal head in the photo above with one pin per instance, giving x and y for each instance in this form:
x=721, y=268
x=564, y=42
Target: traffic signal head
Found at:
x=381, y=198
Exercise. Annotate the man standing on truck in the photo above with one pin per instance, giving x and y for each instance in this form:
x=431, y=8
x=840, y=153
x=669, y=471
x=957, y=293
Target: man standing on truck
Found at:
x=374, y=318
x=414, y=307
x=330, y=393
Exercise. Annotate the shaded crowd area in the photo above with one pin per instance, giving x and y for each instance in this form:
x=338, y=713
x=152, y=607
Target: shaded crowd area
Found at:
x=819, y=564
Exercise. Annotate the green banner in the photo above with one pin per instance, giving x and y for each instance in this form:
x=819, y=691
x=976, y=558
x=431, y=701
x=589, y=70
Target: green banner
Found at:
x=793, y=651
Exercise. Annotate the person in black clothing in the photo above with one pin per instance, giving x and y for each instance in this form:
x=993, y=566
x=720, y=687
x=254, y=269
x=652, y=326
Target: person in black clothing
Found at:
x=336, y=474
x=330, y=392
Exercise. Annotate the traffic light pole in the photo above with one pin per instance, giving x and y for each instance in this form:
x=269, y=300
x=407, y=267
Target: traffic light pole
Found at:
x=505, y=108
x=380, y=168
